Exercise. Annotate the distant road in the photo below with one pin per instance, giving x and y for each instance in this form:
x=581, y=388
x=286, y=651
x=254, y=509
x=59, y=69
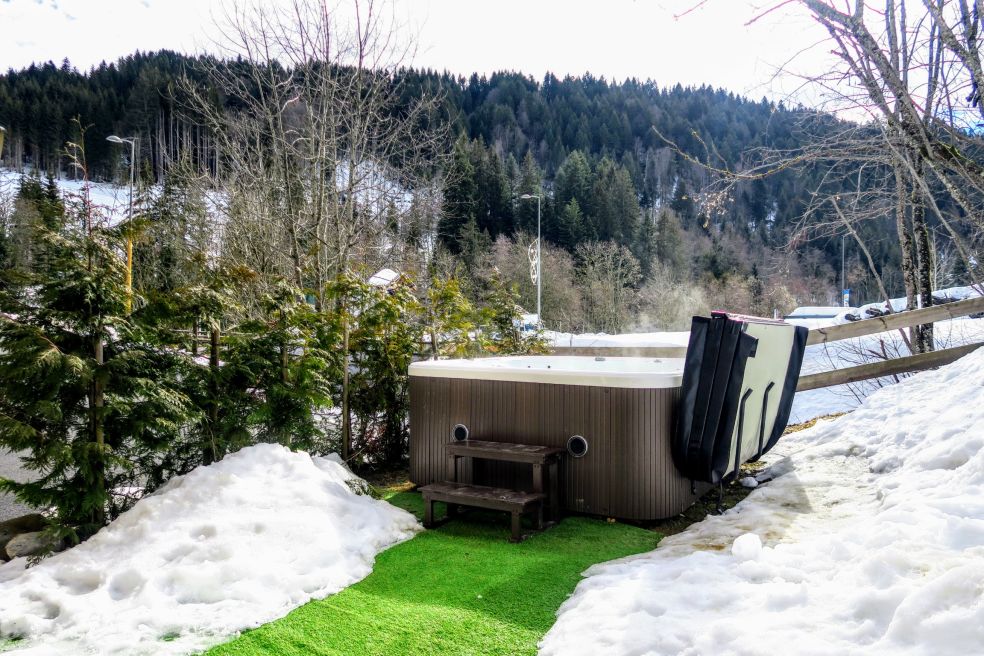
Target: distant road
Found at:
x=10, y=468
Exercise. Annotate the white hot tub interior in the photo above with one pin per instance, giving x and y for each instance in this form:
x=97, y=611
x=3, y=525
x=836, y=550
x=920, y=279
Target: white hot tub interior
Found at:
x=563, y=370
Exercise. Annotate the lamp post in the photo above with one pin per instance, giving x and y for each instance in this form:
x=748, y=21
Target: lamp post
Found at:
x=539, y=278
x=129, y=228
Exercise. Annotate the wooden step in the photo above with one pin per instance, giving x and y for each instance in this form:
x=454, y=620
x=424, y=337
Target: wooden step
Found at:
x=504, y=451
x=482, y=496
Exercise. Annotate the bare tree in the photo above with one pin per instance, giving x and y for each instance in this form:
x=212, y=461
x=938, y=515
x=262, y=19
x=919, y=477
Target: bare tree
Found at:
x=318, y=151
x=608, y=274
x=912, y=69
x=919, y=81
x=315, y=144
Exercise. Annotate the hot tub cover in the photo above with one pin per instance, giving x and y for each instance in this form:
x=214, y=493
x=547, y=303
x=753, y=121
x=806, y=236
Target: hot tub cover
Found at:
x=739, y=379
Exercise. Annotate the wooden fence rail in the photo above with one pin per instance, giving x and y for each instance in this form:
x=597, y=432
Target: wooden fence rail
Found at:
x=882, y=368
x=896, y=320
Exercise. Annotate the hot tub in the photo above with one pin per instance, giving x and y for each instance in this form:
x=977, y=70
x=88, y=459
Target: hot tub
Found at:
x=615, y=416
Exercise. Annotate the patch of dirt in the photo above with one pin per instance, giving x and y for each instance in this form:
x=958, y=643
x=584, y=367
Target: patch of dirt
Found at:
x=391, y=480
x=795, y=428
x=734, y=492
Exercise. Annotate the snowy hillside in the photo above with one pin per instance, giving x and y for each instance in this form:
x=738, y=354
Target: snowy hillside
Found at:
x=113, y=201
x=224, y=548
x=869, y=541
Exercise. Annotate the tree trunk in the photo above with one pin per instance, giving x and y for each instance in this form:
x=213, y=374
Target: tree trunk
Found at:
x=283, y=435
x=905, y=239
x=210, y=451
x=346, y=419
x=97, y=402
x=924, y=264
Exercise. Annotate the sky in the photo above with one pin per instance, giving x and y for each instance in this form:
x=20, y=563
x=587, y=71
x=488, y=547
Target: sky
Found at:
x=647, y=39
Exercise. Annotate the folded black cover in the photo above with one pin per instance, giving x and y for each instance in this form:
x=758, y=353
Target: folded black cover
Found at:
x=712, y=418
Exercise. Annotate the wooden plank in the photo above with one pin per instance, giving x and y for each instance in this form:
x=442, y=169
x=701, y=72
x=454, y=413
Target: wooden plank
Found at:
x=504, y=451
x=480, y=495
x=896, y=320
x=622, y=351
x=885, y=368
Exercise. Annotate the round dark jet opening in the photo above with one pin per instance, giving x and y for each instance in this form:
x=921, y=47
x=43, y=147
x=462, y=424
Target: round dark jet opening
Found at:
x=577, y=446
x=460, y=432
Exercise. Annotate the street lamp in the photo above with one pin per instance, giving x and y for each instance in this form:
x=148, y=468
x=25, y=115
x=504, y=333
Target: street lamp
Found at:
x=129, y=234
x=539, y=278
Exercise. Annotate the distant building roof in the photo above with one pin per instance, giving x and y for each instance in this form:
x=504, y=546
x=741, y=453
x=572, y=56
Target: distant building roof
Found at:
x=384, y=278
x=816, y=312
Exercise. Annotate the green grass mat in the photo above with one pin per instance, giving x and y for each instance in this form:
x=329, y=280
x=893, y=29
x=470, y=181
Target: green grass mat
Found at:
x=459, y=589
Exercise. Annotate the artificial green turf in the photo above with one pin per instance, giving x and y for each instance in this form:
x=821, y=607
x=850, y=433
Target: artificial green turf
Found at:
x=459, y=589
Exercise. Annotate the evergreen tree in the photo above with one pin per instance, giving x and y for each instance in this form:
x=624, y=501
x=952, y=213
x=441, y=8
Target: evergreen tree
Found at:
x=616, y=205
x=172, y=237
x=573, y=182
x=5, y=255
x=79, y=392
x=501, y=319
x=683, y=204
x=530, y=182
x=460, y=192
x=493, y=202
x=668, y=241
x=285, y=358
x=447, y=318
x=573, y=228
x=220, y=387
x=38, y=207
x=473, y=244
x=381, y=333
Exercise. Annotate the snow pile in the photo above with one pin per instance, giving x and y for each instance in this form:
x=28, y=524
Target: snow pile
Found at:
x=870, y=541
x=224, y=548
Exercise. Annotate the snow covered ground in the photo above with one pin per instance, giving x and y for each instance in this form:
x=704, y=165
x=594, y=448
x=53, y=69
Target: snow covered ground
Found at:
x=113, y=201
x=224, y=548
x=869, y=541
x=850, y=352
x=11, y=467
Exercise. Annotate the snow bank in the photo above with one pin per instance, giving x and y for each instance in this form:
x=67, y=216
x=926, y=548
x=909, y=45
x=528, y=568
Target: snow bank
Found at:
x=224, y=548
x=870, y=541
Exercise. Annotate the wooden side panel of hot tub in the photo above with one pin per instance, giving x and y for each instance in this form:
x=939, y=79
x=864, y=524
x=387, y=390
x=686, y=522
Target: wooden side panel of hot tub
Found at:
x=627, y=473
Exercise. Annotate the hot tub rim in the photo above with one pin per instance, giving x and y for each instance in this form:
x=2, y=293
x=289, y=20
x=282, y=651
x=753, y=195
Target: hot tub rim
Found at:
x=581, y=377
